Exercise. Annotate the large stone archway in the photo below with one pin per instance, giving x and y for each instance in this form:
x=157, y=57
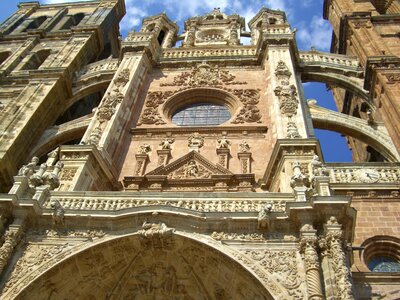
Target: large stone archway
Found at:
x=148, y=265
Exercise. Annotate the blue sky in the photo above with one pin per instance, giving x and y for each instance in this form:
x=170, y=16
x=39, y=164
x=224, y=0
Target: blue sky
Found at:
x=305, y=15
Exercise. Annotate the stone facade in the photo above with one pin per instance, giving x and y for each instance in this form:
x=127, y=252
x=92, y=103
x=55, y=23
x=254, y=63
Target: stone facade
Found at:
x=109, y=196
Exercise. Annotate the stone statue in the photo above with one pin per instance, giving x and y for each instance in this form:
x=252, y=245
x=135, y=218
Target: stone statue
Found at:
x=144, y=149
x=244, y=147
x=264, y=216
x=223, y=143
x=58, y=213
x=29, y=169
x=318, y=168
x=166, y=144
x=191, y=169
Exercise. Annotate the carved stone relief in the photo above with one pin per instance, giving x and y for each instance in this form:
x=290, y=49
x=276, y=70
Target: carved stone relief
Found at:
x=181, y=270
x=191, y=169
x=108, y=105
x=249, y=113
x=204, y=75
x=151, y=114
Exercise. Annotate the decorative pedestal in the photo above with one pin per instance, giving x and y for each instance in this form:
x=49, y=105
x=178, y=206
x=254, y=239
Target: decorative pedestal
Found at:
x=141, y=161
x=163, y=156
x=245, y=162
x=223, y=157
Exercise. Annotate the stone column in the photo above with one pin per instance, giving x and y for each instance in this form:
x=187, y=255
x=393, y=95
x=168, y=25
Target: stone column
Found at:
x=168, y=39
x=334, y=245
x=308, y=244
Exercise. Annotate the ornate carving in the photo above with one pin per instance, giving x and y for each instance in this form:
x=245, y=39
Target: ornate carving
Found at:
x=223, y=143
x=12, y=236
x=107, y=108
x=68, y=174
x=287, y=94
x=195, y=141
x=122, y=78
x=334, y=244
x=29, y=169
x=150, y=114
x=362, y=175
x=308, y=244
x=292, y=131
x=144, y=149
x=264, y=217
x=166, y=144
x=288, y=101
x=299, y=179
x=203, y=205
x=95, y=136
x=318, y=168
x=244, y=147
x=204, y=75
x=52, y=179
x=191, y=169
x=156, y=235
x=249, y=112
x=58, y=213
x=283, y=264
x=282, y=71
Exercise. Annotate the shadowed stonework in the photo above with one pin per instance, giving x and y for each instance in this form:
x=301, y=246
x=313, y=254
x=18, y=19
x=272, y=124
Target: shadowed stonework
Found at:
x=134, y=169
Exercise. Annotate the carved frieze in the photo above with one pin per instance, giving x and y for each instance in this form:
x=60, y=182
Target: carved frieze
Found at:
x=204, y=75
x=191, y=169
x=364, y=175
x=214, y=205
x=284, y=265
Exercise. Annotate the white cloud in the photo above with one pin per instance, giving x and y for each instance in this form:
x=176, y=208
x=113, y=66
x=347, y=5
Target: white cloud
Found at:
x=317, y=33
x=133, y=17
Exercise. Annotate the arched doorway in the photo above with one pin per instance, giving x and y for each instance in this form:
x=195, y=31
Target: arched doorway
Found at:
x=148, y=265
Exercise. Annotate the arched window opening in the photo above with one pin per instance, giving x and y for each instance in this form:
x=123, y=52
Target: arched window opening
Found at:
x=4, y=55
x=35, y=23
x=161, y=37
x=81, y=108
x=201, y=114
x=382, y=254
x=36, y=60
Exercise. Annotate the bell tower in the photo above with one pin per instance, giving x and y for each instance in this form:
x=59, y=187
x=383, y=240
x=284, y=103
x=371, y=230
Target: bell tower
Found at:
x=368, y=30
x=214, y=28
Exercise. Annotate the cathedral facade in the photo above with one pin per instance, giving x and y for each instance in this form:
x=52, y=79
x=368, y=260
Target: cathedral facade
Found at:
x=138, y=169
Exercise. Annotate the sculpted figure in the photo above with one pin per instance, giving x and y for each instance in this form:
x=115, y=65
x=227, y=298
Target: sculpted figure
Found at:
x=223, y=143
x=144, y=149
x=166, y=144
x=244, y=147
x=29, y=169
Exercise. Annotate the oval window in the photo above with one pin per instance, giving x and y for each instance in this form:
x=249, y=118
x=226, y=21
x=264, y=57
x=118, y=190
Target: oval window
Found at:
x=201, y=114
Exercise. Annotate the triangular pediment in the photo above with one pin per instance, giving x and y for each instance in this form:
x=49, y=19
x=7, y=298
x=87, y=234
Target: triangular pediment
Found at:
x=190, y=166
